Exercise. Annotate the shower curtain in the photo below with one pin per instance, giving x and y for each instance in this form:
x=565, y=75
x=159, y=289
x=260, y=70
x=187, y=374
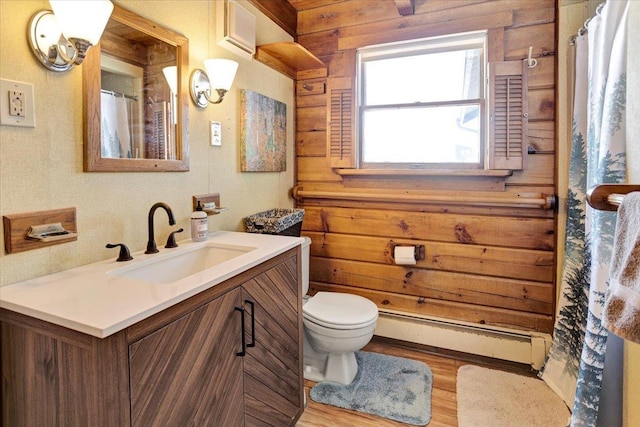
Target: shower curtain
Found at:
x=116, y=137
x=575, y=362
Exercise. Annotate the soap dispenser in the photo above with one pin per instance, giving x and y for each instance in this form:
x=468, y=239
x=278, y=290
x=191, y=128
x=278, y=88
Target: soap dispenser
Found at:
x=199, y=224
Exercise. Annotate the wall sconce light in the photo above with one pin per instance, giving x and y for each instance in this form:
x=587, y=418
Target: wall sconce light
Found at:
x=219, y=76
x=61, y=38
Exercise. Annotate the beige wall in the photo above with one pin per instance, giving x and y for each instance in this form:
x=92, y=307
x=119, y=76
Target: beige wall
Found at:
x=41, y=168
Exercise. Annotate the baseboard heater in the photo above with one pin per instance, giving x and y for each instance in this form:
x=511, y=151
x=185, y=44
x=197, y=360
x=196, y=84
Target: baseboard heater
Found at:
x=483, y=340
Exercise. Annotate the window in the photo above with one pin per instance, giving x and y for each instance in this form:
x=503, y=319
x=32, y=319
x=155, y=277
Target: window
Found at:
x=421, y=104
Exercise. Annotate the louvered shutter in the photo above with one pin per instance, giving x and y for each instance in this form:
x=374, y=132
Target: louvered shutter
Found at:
x=507, y=115
x=341, y=139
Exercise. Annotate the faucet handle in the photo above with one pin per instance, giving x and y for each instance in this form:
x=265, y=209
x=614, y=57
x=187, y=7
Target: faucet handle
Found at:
x=124, y=251
x=171, y=241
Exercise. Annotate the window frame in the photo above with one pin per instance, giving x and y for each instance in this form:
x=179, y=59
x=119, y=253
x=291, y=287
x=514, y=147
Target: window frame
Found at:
x=446, y=43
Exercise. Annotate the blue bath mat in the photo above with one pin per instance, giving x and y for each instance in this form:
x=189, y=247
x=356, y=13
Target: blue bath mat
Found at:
x=386, y=386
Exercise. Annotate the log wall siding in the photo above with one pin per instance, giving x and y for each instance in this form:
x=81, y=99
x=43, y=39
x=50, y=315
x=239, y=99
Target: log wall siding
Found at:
x=489, y=265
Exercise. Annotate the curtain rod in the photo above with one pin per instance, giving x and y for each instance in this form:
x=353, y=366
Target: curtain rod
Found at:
x=114, y=93
x=584, y=29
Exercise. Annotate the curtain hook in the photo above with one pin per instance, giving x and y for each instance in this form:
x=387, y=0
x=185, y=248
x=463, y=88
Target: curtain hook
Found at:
x=531, y=62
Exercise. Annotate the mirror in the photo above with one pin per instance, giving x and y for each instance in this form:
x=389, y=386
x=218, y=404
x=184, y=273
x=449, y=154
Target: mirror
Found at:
x=136, y=98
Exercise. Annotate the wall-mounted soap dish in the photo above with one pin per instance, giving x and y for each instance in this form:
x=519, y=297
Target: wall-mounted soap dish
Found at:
x=50, y=232
x=210, y=203
x=35, y=230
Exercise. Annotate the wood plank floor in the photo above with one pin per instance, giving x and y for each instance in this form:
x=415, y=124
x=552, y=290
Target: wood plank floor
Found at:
x=444, y=365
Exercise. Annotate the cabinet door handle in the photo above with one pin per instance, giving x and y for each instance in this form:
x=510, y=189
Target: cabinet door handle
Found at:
x=253, y=324
x=241, y=310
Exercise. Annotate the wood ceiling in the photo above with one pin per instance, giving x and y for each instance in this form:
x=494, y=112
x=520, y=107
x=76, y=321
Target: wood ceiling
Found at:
x=284, y=12
x=310, y=4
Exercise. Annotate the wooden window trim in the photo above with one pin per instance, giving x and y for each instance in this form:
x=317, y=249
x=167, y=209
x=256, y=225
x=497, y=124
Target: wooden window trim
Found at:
x=343, y=151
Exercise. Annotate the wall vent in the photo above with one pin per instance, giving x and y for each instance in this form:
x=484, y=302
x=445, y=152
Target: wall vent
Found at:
x=235, y=28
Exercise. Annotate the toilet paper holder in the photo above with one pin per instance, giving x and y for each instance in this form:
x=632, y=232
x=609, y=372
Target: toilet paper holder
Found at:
x=419, y=251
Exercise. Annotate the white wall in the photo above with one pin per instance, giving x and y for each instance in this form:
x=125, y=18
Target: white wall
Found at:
x=41, y=168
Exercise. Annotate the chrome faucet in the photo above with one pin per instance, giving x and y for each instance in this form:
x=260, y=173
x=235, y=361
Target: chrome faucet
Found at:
x=151, y=244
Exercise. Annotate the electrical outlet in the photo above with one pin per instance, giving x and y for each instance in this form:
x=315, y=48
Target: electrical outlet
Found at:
x=17, y=106
x=16, y=103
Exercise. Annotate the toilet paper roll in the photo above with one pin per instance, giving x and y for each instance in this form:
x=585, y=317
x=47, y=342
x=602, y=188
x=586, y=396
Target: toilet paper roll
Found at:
x=405, y=255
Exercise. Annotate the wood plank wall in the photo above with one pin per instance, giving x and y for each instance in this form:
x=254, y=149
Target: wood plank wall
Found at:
x=484, y=264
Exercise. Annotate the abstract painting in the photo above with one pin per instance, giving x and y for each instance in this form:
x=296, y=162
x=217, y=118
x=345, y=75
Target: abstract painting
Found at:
x=263, y=133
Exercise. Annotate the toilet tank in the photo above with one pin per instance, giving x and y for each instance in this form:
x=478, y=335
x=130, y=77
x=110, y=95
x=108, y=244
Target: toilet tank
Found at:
x=305, y=265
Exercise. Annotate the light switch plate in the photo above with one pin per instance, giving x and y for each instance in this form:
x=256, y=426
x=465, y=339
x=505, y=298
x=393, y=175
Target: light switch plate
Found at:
x=21, y=105
x=216, y=133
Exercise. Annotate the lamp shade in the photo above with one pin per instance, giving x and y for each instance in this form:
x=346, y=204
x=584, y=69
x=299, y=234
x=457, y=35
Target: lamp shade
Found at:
x=221, y=72
x=84, y=20
x=171, y=76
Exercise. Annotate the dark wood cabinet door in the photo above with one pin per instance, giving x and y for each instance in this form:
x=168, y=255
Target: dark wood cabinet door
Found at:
x=187, y=373
x=272, y=369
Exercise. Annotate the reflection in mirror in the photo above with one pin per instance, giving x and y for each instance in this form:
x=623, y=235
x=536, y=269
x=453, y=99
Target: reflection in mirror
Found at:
x=135, y=98
x=121, y=96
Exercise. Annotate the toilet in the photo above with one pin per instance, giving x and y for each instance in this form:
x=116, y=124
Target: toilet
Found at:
x=336, y=325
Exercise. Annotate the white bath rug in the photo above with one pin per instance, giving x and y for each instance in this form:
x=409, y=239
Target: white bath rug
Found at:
x=493, y=398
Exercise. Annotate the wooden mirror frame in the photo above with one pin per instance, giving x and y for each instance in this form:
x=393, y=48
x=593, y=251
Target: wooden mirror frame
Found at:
x=91, y=85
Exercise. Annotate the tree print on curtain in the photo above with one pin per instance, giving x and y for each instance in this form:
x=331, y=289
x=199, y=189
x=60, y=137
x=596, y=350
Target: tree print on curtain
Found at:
x=576, y=360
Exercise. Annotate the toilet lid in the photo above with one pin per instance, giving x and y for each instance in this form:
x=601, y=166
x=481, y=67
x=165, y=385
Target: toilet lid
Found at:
x=340, y=310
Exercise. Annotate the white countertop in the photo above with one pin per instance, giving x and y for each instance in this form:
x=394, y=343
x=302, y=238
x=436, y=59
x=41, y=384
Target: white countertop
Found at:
x=91, y=300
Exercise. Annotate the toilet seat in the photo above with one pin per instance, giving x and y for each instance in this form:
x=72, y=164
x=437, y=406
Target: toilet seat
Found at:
x=340, y=310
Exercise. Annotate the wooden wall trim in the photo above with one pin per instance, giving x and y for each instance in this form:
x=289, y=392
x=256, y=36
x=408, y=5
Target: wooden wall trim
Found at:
x=544, y=201
x=489, y=239
x=491, y=316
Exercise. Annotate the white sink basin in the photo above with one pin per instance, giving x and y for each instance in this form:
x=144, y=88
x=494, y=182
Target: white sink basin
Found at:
x=170, y=269
x=105, y=297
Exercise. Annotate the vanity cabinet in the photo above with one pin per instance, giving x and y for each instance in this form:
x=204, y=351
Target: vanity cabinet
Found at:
x=178, y=367
x=273, y=365
x=188, y=370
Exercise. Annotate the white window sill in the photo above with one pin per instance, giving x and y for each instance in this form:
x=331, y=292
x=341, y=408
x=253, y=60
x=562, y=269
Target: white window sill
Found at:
x=426, y=172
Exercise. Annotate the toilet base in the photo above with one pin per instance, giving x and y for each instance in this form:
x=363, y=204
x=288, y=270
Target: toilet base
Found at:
x=341, y=368
x=312, y=373
x=336, y=367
